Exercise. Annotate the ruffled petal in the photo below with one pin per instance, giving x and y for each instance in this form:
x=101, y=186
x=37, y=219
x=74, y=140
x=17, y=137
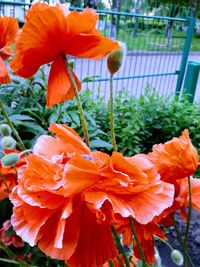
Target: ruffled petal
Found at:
x=87, y=41
x=27, y=220
x=40, y=175
x=95, y=238
x=79, y=175
x=143, y=206
x=49, y=147
x=40, y=41
x=59, y=236
x=4, y=75
x=59, y=87
x=183, y=196
x=8, y=29
x=73, y=142
x=175, y=159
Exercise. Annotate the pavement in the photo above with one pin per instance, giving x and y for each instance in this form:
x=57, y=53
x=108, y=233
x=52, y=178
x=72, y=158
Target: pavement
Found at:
x=137, y=64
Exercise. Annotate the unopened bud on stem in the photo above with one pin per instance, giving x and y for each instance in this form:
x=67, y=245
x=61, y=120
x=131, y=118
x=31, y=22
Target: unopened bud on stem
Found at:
x=10, y=159
x=116, y=59
x=5, y=130
x=177, y=257
x=8, y=142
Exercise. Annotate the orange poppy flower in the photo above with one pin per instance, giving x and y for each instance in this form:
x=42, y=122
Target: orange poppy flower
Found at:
x=175, y=159
x=12, y=239
x=68, y=197
x=8, y=30
x=183, y=196
x=48, y=35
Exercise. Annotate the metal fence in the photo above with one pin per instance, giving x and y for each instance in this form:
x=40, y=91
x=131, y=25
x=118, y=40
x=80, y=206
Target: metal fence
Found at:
x=157, y=37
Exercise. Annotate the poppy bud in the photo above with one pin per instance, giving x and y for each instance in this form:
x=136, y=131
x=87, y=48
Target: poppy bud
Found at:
x=116, y=59
x=8, y=142
x=177, y=257
x=1, y=154
x=5, y=130
x=10, y=159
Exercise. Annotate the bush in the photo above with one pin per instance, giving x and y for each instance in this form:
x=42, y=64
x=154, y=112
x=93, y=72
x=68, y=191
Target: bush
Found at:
x=147, y=120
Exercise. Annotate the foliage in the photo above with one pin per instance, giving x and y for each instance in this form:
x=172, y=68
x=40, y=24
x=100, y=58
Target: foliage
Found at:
x=147, y=120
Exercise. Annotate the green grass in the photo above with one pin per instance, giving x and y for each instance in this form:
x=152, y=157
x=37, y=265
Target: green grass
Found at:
x=154, y=40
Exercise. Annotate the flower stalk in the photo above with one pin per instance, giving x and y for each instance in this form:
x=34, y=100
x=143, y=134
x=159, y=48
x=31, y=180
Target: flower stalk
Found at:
x=5, y=183
x=188, y=223
x=138, y=242
x=111, y=105
x=80, y=108
x=13, y=257
x=119, y=246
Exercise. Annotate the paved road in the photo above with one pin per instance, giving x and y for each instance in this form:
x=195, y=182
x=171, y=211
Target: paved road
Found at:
x=135, y=65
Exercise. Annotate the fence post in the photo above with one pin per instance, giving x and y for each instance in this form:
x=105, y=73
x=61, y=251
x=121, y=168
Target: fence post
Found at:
x=191, y=79
x=186, y=50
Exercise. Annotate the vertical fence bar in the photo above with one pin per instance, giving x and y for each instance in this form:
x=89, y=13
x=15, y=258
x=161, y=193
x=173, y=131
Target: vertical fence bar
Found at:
x=186, y=50
x=191, y=79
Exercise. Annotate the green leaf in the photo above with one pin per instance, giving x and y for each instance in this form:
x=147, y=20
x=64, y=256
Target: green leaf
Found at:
x=75, y=117
x=18, y=117
x=100, y=144
x=90, y=79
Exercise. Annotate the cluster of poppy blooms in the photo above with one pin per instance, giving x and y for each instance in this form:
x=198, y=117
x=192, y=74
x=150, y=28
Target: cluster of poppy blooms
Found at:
x=66, y=197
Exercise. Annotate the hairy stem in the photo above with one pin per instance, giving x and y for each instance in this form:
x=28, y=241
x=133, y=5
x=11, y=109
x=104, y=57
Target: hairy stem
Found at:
x=120, y=247
x=111, y=104
x=138, y=243
x=80, y=108
x=188, y=222
x=12, y=256
x=4, y=181
x=180, y=240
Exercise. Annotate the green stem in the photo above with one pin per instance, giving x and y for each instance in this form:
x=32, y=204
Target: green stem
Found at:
x=180, y=240
x=138, y=242
x=80, y=108
x=12, y=256
x=165, y=242
x=4, y=181
x=188, y=222
x=119, y=246
x=15, y=133
x=111, y=263
x=111, y=104
x=120, y=262
x=42, y=117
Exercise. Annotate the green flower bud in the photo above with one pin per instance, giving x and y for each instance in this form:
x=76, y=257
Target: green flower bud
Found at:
x=1, y=154
x=5, y=130
x=177, y=257
x=10, y=159
x=8, y=142
x=116, y=59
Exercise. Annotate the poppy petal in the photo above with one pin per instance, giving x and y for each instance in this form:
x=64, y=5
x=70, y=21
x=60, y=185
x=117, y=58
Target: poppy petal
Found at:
x=40, y=41
x=4, y=75
x=79, y=174
x=59, y=87
x=39, y=174
x=49, y=147
x=87, y=41
x=60, y=235
x=70, y=139
x=95, y=238
x=183, y=196
x=27, y=220
x=8, y=29
x=143, y=206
